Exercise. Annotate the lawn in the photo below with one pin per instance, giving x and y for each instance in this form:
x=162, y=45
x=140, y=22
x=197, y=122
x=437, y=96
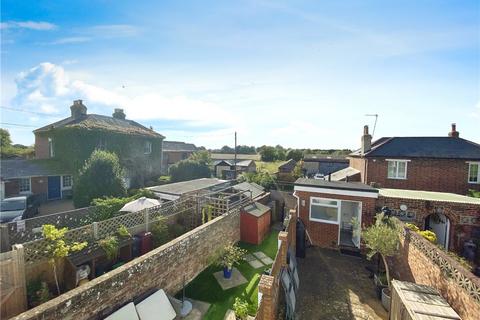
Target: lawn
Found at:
x=271, y=167
x=205, y=288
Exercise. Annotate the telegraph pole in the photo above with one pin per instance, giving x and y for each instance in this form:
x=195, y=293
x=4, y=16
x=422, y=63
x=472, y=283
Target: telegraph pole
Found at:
x=235, y=158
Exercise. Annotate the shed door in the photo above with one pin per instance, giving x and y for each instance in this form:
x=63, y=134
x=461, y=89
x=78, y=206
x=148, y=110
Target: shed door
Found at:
x=54, y=188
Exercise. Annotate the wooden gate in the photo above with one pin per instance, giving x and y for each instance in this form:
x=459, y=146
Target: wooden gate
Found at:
x=13, y=293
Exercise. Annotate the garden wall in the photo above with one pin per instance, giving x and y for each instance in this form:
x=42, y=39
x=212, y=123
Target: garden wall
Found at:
x=422, y=262
x=164, y=267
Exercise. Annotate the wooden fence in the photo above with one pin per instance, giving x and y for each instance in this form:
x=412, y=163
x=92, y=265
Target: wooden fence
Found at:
x=13, y=290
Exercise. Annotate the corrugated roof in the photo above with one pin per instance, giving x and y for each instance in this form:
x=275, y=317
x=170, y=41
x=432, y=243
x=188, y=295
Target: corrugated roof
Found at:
x=427, y=195
x=256, y=209
x=179, y=188
x=424, y=147
x=178, y=146
x=100, y=122
x=14, y=169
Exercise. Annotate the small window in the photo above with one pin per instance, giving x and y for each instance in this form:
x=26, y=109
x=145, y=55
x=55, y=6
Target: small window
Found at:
x=324, y=210
x=51, y=152
x=474, y=172
x=102, y=144
x=397, y=169
x=66, y=182
x=147, y=147
x=24, y=185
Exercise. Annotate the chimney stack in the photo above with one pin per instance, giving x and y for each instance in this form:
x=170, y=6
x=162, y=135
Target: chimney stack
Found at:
x=366, y=141
x=454, y=133
x=119, y=114
x=78, y=109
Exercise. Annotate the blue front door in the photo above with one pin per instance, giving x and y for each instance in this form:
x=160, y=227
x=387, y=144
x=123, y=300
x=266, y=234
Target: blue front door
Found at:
x=54, y=189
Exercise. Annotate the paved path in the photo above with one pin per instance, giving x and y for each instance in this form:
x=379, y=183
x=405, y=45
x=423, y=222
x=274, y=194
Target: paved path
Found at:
x=336, y=287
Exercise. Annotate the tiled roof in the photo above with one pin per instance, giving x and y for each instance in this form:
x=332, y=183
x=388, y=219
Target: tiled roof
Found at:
x=424, y=147
x=178, y=146
x=13, y=169
x=101, y=122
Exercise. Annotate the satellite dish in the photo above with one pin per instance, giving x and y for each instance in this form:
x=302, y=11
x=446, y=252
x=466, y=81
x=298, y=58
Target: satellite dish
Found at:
x=403, y=207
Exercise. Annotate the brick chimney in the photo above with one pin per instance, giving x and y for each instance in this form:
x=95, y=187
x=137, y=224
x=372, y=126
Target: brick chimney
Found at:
x=119, y=114
x=454, y=133
x=78, y=109
x=366, y=141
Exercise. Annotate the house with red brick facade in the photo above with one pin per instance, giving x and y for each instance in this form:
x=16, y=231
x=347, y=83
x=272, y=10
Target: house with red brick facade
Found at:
x=443, y=164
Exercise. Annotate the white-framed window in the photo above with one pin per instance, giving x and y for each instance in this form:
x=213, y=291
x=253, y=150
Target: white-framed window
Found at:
x=24, y=185
x=51, y=151
x=324, y=210
x=474, y=172
x=102, y=144
x=147, y=147
x=67, y=182
x=397, y=169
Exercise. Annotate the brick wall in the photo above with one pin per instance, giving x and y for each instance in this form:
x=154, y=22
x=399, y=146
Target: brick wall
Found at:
x=359, y=164
x=163, y=267
x=324, y=234
x=39, y=185
x=412, y=264
x=443, y=175
x=41, y=147
x=459, y=232
x=11, y=188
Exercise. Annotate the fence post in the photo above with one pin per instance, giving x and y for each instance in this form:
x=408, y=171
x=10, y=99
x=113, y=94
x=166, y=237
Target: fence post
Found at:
x=282, y=253
x=19, y=275
x=266, y=300
x=4, y=238
x=95, y=230
x=147, y=220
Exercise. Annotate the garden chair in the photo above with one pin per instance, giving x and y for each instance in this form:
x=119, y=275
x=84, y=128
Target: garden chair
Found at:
x=156, y=307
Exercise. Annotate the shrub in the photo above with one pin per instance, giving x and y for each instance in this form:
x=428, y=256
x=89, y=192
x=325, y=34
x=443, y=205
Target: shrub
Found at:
x=230, y=256
x=123, y=232
x=262, y=178
x=176, y=230
x=106, y=208
x=110, y=246
x=240, y=307
x=412, y=227
x=101, y=176
x=160, y=232
x=188, y=170
x=37, y=292
x=429, y=235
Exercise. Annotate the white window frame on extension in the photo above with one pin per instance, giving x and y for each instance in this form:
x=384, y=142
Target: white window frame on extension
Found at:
x=338, y=206
x=71, y=182
x=395, y=162
x=29, y=185
x=147, y=147
x=51, y=150
x=470, y=172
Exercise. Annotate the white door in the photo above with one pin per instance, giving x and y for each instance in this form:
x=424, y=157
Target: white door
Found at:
x=440, y=225
x=357, y=226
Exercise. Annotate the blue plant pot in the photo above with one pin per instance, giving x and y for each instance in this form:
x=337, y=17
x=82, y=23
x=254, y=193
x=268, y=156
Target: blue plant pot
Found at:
x=227, y=273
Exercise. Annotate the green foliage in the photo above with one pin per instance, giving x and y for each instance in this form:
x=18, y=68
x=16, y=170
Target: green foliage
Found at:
x=298, y=170
x=100, y=177
x=473, y=193
x=268, y=153
x=207, y=214
x=160, y=232
x=123, y=232
x=429, y=235
x=37, y=292
x=7, y=150
x=202, y=156
x=240, y=307
x=176, y=230
x=138, y=193
x=230, y=256
x=5, y=140
x=280, y=154
x=262, y=178
x=294, y=154
x=188, y=169
x=110, y=246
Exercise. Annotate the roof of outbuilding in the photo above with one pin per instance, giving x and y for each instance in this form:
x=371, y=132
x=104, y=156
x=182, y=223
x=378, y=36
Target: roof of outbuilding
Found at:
x=428, y=195
x=20, y=168
x=240, y=163
x=101, y=122
x=288, y=165
x=340, y=185
x=256, y=209
x=179, y=188
x=256, y=189
x=343, y=174
x=423, y=147
x=178, y=146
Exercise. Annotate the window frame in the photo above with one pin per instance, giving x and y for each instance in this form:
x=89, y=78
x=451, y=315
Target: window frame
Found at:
x=397, y=177
x=29, y=186
x=469, y=171
x=71, y=182
x=149, y=144
x=51, y=150
x=338, y=206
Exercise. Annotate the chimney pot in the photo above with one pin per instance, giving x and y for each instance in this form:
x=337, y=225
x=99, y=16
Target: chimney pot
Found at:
x=454, y=133
x=78, y=109
x=118, y=114
x=366, y=141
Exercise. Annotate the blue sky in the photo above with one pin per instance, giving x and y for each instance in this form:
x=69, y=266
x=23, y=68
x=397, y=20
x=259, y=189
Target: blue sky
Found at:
x=295, y=73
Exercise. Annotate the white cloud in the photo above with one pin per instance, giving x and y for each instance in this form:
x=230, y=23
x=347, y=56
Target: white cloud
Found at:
x=113, y=30
x=68, y=40
x=32, y=25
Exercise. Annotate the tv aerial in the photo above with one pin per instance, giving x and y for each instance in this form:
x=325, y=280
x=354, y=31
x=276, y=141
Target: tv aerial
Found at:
x=375, y=124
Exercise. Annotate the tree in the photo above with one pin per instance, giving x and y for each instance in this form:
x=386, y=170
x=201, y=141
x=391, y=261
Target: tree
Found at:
x=280, y=154
x=227, y=149
x=188, y=170
x=5, y=140
x=202, y=156
x=383, y=238
x=58, y=248
x=298, y=170
x=295, y=154
x=268, y=154
x=100, y=177
x=262, y=178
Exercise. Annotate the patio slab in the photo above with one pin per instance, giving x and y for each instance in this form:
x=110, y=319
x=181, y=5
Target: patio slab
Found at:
x=336, y=286
x=199, y=309
x=249, y=258
x=236, y=279
x=260, y=255
x=255, y=264
x=266, y=261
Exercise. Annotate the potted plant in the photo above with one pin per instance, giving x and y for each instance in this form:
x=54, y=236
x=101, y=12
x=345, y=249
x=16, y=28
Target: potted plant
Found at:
x=240, y=308
x=383, y=238
x=110, y=246
x=230, y=256
x=123, y=232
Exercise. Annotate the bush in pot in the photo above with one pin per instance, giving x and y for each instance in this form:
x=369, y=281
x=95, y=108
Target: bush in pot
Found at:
x=230, y=256
x=240, y=307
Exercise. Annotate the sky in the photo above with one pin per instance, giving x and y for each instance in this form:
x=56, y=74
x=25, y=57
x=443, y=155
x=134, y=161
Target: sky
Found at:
x=302, y=74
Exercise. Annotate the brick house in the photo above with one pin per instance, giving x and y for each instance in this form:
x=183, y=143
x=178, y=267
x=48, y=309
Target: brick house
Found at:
x=443, y=164
x=175, y=151
x=324, y=164
x=71, y=141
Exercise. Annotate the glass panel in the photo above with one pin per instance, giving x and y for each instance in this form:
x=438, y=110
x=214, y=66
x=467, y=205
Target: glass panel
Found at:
x=325, y=201
x=324, y=213
x=402, y=172
x=24, y=185
x=473, y=176
x=67, y=181
x=392, y=169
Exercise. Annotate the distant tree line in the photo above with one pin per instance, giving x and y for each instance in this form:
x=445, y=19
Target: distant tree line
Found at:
x=9, y=150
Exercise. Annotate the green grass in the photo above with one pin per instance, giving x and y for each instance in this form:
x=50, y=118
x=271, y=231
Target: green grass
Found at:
x=271, y=167
x=205, y=288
